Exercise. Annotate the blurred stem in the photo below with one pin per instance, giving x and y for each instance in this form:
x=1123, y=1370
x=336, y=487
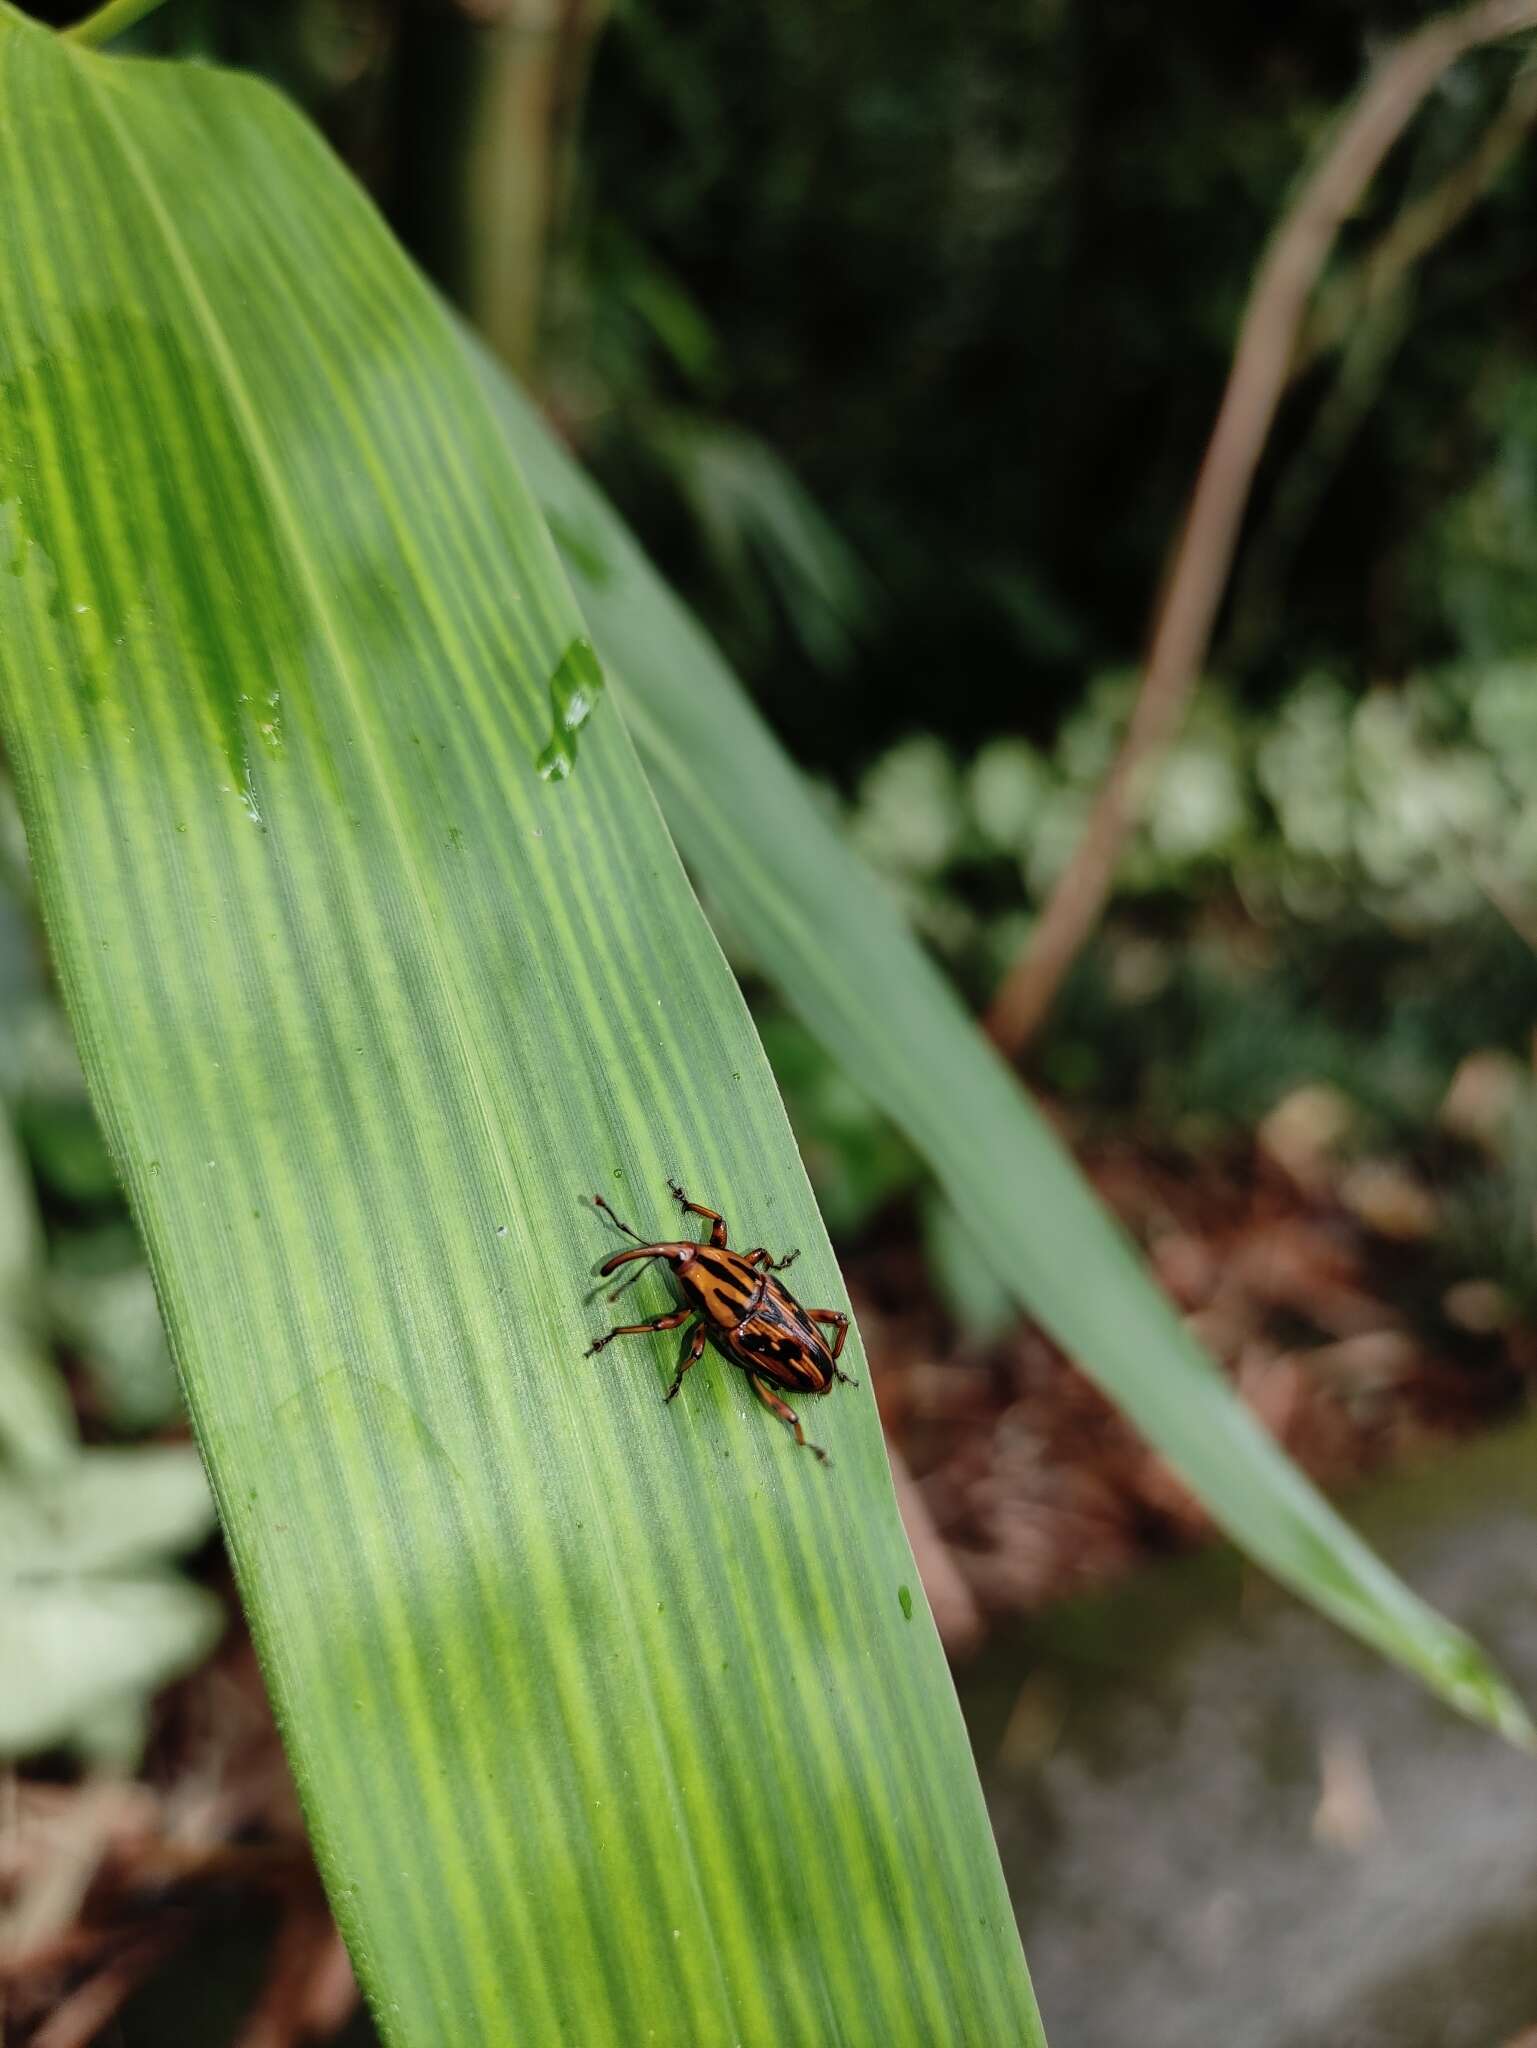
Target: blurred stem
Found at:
x=1363, y=315
x=1366, y=356
x=535, y=60
x=1418, y=229
x=1267, y=342
x=109, y=21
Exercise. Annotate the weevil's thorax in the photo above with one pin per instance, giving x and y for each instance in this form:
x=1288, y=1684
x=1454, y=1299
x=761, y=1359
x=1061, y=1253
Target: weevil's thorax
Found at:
x=719, y=1283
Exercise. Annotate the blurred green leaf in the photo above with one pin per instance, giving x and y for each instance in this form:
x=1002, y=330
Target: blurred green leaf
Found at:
x=765, y=533
x=90, y=1624
x=104, y=1511
x=102, y=1304
x=65, y=1142
x=37, y=1425
x=1006, y=785
x=911, y=813
x=855, y=1157
x=977, y=1299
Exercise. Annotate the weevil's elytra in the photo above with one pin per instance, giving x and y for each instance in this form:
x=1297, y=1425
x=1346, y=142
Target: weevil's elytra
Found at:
x=751, y=1318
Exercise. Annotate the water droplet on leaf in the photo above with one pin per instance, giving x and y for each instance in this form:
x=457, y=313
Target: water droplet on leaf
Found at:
x=574, y=689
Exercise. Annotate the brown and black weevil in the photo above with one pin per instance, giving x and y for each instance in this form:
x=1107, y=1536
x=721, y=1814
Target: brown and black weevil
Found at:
x=751, y=1318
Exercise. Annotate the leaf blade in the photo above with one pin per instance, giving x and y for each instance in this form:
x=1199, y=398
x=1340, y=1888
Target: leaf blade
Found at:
x=606, y=1717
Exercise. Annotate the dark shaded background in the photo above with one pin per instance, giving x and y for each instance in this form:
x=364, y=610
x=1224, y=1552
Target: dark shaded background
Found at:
x=972, y=274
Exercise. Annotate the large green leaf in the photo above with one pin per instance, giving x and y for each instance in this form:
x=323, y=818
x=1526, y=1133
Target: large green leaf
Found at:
x=825, y=930
x=613, y=1722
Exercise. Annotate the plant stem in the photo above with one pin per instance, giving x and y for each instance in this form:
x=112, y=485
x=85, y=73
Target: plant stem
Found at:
x=109, y=21
x=1203, y=555
x=532, y=73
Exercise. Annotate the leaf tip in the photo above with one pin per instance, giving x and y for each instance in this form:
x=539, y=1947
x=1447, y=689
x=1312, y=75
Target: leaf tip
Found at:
x=1476, y=1688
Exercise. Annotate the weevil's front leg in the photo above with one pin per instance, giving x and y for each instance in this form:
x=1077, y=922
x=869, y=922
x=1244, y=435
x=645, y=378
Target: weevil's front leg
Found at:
x=667, y=1322
x=786, y=1414
x=761, y=1258
x=717, y=1222
x=693, y=1349
x=836, y=1317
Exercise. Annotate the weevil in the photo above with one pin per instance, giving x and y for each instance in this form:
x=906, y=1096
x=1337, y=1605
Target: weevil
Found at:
x=752, y=1318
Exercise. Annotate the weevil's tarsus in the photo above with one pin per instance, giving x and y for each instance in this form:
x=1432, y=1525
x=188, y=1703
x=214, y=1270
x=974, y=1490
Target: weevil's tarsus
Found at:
x=667, y=1322
x=716, y=1221
x=762, y=1257
x=840, y=1321
x=692, y=1352
x=786, y=1414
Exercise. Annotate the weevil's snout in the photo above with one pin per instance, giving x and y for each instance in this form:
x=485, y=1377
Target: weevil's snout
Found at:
x=618, y=1259
x=675, y=1254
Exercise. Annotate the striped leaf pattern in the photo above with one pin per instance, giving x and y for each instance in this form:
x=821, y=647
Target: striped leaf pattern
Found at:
x=613, y=1722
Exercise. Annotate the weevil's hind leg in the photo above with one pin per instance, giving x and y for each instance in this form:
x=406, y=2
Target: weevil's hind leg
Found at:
x=716, y=1221
x=761, y=1258
x=693, y=1350
x=786, y=1414
x=667, y=1322
x=836, y=1317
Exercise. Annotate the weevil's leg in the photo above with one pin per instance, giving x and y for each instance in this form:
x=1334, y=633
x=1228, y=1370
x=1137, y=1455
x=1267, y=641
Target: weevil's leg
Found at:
x=693, y=1348
x=717, y=1222
x=761, y=1258
x=667, y=1322
x=786, y=1414
x=835, y=1316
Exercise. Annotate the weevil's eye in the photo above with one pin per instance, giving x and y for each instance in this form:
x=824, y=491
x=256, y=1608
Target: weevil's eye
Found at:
x=683, y=1254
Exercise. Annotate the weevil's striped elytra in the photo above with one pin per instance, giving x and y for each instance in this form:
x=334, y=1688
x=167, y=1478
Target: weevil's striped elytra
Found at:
x=750, y=1317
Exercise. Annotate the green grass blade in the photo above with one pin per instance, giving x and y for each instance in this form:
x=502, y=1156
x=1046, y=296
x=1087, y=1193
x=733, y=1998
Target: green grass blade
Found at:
x=826, y=932
x=614, y=1722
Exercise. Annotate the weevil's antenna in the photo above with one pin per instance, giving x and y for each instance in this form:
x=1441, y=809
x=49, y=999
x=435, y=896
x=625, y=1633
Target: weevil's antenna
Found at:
x=599, y=1202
